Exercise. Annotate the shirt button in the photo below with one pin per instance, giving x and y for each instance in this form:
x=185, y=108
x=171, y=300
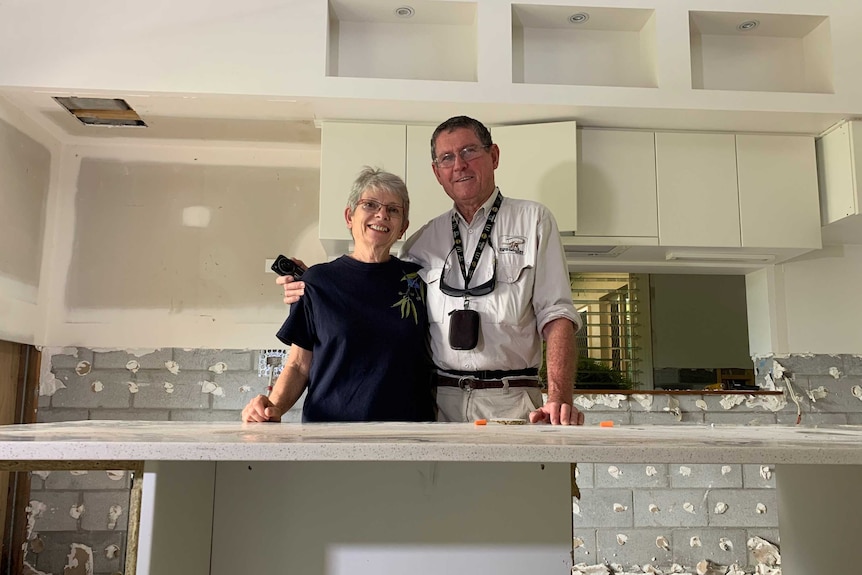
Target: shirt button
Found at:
x=468, y=366
x=469, y=231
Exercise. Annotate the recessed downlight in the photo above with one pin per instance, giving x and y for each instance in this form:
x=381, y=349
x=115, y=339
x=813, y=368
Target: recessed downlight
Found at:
x=579, y=18
x=748, y=25
x=405, y=11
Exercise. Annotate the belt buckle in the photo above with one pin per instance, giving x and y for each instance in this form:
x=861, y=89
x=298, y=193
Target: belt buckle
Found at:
x=463, y=382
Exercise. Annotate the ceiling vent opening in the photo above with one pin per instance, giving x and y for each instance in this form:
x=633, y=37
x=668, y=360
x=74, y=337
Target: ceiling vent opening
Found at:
x=112, y=112
x=573, y=251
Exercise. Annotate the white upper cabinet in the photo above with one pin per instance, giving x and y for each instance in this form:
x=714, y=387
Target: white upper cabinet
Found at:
x=839, y=155
x=698, y=201
x=427, y=198
x=778, y=200
x=616, y=184
x=539, y=162
x=344, y=149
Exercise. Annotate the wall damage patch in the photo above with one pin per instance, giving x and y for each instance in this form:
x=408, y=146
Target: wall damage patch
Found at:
x=80, y=560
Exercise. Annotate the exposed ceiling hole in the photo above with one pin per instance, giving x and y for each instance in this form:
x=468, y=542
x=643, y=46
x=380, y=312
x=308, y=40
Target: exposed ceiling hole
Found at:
x=113, y=112
x=748, y=25
x=579, y=18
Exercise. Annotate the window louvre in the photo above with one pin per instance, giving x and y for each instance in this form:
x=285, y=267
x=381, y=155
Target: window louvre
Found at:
x=610, y=342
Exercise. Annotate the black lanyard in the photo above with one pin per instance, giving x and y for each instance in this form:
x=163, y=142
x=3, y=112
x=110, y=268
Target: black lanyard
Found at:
x=483, y=239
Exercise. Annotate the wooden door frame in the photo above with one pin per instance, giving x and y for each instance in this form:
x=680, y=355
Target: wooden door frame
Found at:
x=15, y=520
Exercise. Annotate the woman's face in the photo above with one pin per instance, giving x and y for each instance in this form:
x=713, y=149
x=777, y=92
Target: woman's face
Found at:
x=378, y=220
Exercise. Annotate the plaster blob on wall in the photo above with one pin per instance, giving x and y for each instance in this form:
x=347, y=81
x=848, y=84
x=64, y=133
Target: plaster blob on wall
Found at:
x=689, y=507
x=760, y=509
x=112, y=552
x=726, y=469
x=684, y=471
x=622, y=538
x=620, y=508
x=80, y=561
x=662, y=543
x=34, y=511
x=116, y=474
x=834, y=372
x=133, y=387
x=218, y=368
x=856, y=390
x=764, y=552
x=576, y=509
x=83, y=368
x=720, y=508
x=731, y=401
x=114, y=514
x=695, y=542
x=76, y=511
x=42, y=474
x=701, y=404
x=765, y=472
x=653, y=508
x=133, y=366
x=725, y=544
x=172, y=367
x=817, y=393
x=210, y=387
x=97, y=386
x=577, y=542
x=673, y=408
x=651, y=471
x=644, y=400
x=614, y=471
x=169, y=387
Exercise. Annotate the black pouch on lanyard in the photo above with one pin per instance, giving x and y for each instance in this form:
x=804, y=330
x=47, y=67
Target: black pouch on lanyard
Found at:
x=463, y=329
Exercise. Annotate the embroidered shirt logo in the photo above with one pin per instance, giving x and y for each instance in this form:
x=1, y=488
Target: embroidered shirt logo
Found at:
x=512, y=245
x=413, y=293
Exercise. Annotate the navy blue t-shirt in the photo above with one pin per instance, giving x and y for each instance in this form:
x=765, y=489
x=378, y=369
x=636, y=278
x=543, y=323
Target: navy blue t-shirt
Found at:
x=367, y=328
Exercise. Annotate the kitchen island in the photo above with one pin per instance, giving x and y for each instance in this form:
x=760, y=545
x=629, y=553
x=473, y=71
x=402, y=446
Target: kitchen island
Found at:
x=224, y=498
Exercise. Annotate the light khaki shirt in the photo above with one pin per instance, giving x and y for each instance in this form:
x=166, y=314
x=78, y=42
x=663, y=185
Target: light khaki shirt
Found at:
x=532, y=284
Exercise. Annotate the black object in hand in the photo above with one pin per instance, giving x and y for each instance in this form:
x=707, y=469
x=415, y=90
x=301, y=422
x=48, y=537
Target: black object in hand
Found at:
x=284, y=266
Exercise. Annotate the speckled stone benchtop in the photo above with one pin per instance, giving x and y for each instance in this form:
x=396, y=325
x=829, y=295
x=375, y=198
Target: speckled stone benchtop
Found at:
x=173, y=441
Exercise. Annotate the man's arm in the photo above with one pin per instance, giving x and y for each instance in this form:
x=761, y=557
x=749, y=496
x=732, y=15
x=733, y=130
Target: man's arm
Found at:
x=286, y=391
x=562, y=362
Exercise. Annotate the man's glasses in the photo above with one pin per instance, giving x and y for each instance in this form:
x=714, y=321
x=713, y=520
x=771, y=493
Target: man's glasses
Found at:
x=483, y=289
x=466, y=154
x=373, y=206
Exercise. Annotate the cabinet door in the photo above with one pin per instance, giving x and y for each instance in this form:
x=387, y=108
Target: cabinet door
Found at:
x=778, y=196
x=698, y=202
x=427, y=198
x=835, y=155
x=344, y=149
x=539, y=162
x=616, y=183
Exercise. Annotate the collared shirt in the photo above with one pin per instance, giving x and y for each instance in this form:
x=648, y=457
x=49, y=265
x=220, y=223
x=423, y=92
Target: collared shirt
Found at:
x=532, y=284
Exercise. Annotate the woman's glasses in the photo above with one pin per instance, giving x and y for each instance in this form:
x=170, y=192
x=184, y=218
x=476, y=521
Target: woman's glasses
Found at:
x=373, y=206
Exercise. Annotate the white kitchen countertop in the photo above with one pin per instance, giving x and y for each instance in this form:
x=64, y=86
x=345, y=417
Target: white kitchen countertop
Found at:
x=196, y=441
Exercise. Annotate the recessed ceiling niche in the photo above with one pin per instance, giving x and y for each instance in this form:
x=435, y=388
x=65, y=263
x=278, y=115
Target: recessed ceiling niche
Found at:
x=413, y=40
x=760, y=52
x=583, y=46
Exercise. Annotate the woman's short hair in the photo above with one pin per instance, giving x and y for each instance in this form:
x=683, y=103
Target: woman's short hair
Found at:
x=377, y=179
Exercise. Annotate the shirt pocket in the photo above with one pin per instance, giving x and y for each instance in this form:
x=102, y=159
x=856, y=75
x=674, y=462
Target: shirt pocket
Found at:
x=511, y=301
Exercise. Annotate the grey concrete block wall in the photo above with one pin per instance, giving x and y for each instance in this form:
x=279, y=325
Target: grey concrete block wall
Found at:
x=640, y=505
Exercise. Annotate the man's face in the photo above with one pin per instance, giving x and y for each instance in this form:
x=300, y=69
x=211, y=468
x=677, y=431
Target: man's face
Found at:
x=467, y=182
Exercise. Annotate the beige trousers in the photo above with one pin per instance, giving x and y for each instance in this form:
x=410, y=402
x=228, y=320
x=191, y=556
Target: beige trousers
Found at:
x=457, y=405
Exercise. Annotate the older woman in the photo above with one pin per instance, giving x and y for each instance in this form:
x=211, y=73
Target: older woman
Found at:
x=358, y=339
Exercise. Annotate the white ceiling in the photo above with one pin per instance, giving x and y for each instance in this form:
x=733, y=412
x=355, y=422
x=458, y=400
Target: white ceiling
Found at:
x=213, y=117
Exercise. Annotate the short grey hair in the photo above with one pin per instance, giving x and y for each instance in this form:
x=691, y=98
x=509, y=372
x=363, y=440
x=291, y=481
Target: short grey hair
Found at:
x=377, y=179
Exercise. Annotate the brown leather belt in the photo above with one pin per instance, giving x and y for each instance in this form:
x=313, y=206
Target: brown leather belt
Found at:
x=468, y=382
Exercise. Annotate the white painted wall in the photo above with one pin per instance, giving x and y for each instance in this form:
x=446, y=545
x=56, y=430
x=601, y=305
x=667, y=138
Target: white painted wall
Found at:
x=138, y=269
x=810, y=305
x=25, y=175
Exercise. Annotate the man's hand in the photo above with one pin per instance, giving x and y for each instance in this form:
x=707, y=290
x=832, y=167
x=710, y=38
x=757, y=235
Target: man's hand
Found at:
x=261, y=409
x=557, y=413
x=293, y=289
